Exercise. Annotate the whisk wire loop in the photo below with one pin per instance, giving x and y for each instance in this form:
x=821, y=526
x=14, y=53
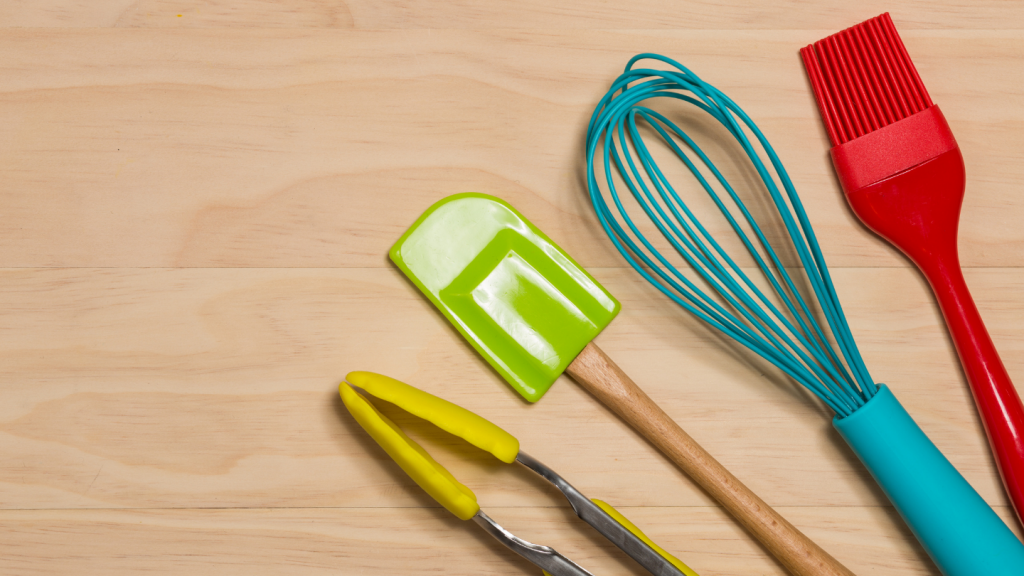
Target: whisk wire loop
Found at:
x=708, y=259
x=787, y=335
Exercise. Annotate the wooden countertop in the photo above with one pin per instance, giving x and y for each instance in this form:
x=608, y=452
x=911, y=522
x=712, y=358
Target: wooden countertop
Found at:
x=197, y=202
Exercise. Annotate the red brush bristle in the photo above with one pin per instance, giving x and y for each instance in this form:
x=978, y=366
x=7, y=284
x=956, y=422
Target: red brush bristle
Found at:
x=863, y=79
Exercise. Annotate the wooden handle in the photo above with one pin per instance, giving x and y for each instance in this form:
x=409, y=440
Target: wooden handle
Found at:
x=596, y=372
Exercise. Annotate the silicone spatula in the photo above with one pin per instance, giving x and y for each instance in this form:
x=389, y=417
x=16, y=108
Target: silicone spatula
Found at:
x=532, y=313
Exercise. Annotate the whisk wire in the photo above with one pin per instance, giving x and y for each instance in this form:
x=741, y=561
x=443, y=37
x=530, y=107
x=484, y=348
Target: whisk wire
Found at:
x=810, y=252
x=818, y=273
x=651, y=165
x=705, y=262
x=675, y=204
x=713, y=313
x=789, y=337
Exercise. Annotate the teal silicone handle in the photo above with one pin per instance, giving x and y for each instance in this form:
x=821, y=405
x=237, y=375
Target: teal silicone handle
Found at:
x=955, y=525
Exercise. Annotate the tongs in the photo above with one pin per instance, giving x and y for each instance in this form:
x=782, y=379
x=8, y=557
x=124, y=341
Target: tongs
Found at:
x=460, y=500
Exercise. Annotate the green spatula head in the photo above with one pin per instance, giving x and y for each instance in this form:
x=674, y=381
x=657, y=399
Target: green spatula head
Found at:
x=525, y=306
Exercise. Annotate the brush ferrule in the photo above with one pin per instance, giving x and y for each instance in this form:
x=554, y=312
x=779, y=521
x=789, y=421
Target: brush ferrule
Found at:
x=892, y=149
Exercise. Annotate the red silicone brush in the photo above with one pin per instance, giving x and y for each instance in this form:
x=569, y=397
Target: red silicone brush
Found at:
x=903, y=175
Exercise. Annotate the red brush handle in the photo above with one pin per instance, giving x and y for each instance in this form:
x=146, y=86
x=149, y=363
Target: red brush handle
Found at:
x=997, y=399
x=918, y=211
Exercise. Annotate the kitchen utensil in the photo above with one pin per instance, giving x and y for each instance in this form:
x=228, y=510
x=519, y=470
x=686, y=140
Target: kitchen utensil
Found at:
x=532, y=312
x=903, y=175
x=770, y=316
x=460, y=500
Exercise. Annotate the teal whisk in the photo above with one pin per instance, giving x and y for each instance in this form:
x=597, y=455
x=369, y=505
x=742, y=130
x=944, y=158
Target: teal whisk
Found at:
x=955, y=525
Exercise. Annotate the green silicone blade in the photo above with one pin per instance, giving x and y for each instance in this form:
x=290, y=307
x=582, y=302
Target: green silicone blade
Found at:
x=521, y=301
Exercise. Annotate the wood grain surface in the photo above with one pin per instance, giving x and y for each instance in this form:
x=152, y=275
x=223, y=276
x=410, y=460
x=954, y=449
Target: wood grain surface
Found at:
x=197, y=201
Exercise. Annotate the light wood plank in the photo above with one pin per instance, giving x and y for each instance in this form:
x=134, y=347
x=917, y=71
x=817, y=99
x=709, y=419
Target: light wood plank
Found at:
x=306, y=148
x=559, y=14
x=415, y=541
x=217, y=387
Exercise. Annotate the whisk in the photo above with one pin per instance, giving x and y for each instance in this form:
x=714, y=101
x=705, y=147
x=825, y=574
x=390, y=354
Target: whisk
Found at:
x=957, y=528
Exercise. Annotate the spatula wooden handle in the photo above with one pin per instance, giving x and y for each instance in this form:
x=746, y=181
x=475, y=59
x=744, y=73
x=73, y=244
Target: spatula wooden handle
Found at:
x=600, y=376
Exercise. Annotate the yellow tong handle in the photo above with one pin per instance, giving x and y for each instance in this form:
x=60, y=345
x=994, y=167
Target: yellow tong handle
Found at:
x=412, y=458
x=421, y=467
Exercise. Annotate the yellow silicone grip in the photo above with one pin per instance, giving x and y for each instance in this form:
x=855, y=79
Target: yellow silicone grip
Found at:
x=442, y=413
x=430, y=475
x=636, y=532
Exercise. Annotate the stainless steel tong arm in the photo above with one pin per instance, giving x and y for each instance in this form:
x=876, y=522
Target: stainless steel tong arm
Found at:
x=616, y=533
